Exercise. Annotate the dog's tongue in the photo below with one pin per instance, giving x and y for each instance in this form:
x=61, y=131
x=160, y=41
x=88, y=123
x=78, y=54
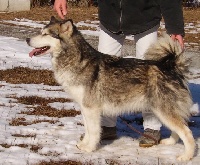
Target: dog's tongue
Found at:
x=34, y=51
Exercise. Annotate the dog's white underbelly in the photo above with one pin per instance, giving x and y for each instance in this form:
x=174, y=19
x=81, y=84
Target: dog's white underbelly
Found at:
x=135, y=105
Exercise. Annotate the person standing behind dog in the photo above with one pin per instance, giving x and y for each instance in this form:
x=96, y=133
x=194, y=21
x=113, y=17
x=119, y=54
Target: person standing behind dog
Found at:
x=141, y=18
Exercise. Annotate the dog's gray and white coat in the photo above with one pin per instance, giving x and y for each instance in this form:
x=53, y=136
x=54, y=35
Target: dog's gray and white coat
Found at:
x=110, y=85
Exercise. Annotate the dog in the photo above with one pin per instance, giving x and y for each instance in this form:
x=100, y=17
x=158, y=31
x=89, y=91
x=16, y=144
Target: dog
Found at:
x=108, y=85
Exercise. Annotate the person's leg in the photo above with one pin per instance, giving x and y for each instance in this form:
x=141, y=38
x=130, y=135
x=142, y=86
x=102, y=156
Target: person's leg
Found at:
x=110, y=43
x=151, y=123
x=144, y=40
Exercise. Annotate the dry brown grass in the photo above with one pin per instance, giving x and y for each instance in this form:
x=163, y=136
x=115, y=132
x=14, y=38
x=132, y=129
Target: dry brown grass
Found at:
x=191, y=15
x=192, y=38
x=26, y=136
x=44, y=14
x=52, y=112
x=33, y=148
x=43, y=109
x=68, y=162
x=19, y=145
x=22, y=75
x=22, y=121
x=35, y=100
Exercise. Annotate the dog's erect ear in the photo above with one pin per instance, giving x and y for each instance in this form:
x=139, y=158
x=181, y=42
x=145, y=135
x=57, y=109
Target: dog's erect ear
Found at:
x=53, y=19
x=67, y=28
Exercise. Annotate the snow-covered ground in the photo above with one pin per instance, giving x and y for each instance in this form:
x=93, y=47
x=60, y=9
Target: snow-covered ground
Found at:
x=57, y=141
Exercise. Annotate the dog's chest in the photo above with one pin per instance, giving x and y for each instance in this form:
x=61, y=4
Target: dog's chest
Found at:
x=67, y=80
x=77, y=93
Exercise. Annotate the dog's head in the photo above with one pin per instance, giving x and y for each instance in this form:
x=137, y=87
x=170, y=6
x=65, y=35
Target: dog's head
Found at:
x=51, y=37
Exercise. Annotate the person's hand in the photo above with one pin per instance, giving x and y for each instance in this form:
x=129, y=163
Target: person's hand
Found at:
x=179, y=38
x=61, y=8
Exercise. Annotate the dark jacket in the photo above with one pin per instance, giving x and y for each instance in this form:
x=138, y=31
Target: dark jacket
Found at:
x=136, y=16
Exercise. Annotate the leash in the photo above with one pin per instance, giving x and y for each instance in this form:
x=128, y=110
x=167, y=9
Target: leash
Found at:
x=134, y=129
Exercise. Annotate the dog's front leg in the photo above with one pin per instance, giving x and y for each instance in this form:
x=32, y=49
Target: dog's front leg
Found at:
x=85, y=139
x=92, y=125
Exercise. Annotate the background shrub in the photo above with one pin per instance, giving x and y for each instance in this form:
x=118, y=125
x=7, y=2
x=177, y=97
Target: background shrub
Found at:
x=41, y=2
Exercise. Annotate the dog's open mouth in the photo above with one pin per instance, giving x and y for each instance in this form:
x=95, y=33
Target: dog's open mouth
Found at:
x=39, y=51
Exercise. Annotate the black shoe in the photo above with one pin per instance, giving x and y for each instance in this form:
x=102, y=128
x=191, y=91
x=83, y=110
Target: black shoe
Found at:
x=108, y=133
x=148, y=142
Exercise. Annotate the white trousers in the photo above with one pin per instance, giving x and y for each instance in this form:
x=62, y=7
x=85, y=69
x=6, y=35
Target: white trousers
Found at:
x=110, y=43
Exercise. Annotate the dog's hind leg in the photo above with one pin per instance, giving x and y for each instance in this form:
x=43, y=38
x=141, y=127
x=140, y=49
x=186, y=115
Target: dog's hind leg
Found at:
x=178, y=128
x=186, y=136
x=93, y=130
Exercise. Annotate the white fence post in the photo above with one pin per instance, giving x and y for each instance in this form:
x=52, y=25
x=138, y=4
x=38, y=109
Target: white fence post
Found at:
x=14, y=5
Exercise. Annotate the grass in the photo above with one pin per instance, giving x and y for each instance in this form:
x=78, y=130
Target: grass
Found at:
x=27, y=76
x=45, y=13
x=41, y=107
x=68, y=162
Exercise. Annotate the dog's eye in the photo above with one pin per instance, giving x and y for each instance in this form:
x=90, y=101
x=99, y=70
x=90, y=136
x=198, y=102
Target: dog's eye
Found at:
x=45, y=34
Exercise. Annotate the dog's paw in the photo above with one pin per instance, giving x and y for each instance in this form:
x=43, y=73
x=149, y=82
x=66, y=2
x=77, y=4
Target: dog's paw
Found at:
x=184, y=157
x=168, y=141
x=85, y=147
x=85, y=140
x=81, y=143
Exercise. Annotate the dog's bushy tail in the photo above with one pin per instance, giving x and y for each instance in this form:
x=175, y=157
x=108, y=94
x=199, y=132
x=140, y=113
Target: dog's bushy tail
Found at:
x=169, y=51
